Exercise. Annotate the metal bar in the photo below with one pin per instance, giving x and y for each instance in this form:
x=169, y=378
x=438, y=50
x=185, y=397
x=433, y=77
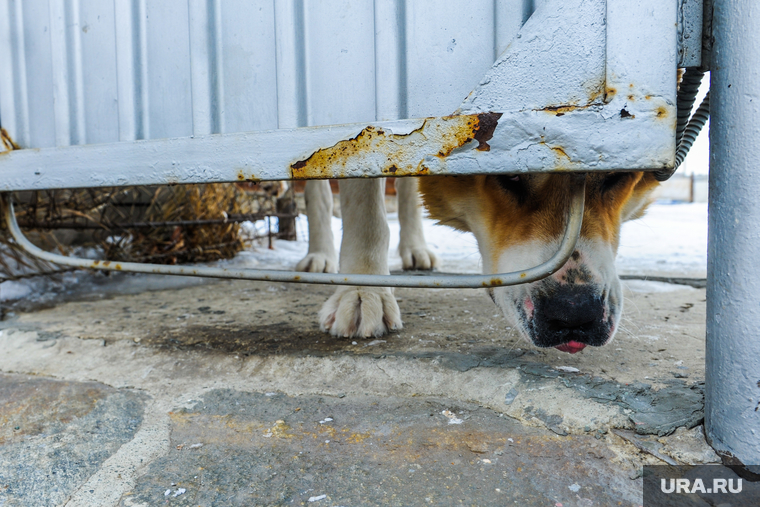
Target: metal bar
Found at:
x=444, y=145
x=231, y=219
x=732, y=395
x=567, y=246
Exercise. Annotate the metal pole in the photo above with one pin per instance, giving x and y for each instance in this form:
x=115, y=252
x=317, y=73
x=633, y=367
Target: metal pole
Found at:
x=732, y=411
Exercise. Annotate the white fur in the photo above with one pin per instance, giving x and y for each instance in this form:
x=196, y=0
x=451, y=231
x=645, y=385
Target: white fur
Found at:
x=412, y=247
x=363, y=311
x=321, y=257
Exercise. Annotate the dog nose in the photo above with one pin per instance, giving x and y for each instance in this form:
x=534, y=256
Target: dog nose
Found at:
x=572, y=309
x=570, y=315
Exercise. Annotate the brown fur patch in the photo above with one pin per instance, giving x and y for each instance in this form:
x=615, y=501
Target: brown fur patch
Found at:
x=535, y=209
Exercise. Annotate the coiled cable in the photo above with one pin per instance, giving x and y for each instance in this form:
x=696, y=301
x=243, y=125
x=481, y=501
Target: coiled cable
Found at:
x=686, y=122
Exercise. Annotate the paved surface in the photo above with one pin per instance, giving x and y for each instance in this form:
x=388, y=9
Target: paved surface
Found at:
x=56, y=434
x=226, y=393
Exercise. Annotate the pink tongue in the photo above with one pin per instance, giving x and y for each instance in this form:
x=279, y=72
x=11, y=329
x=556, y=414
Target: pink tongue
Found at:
x=571, y=347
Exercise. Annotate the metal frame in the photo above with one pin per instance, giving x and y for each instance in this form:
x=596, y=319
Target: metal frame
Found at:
x=574, y=220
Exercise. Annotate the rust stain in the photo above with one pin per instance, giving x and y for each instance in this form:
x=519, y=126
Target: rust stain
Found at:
x=398, y=154
x=242, y=177
x=487, y=123
x=8, y=144
x=609, y=94
x=562, y=109
x=595, y=90
x=345, y=436
x=661, y=112
x=357, y=438
x=564, y=162
x=118, y=267
x=561, y=153
x=280, y=430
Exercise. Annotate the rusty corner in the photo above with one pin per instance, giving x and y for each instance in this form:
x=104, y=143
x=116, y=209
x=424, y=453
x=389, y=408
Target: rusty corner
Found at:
x=8, y=144
x=403, y=158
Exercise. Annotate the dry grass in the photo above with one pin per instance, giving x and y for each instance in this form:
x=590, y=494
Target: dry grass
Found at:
x=162, y=224
x=182, y=242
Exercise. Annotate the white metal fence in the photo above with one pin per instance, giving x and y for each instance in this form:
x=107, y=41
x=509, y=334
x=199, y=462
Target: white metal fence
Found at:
x=95, y=71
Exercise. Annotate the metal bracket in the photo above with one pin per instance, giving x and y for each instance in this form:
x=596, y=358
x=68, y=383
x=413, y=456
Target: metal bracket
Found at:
x=574, y=220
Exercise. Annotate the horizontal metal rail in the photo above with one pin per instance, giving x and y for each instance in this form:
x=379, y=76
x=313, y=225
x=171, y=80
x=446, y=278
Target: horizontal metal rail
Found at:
x=90, y=224
x=574, y=221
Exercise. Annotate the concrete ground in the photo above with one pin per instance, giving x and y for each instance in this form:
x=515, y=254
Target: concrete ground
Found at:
x=226, y=393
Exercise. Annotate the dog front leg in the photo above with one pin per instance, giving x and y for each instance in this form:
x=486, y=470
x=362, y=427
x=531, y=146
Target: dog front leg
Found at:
x=319, y=206
x=412, y=247
x=362, y=311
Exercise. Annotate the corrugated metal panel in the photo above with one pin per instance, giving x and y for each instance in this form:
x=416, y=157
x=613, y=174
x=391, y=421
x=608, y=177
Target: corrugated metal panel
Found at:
x=90, y=71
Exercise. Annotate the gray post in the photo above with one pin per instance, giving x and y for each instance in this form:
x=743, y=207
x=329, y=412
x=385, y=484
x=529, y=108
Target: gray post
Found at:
x=732, y=411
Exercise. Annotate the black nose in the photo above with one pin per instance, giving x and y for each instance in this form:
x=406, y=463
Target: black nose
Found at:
x=570, y=313
x=571, y=308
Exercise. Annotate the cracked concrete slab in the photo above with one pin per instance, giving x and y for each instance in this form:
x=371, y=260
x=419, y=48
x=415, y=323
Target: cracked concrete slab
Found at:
x=202, y=359
x=272, y=449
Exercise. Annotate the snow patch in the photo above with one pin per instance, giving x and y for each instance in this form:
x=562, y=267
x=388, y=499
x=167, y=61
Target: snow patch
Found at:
x=453, y=419
x=651, y=287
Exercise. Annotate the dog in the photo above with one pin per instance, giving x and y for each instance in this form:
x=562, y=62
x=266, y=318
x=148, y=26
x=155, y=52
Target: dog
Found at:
x=517, y=220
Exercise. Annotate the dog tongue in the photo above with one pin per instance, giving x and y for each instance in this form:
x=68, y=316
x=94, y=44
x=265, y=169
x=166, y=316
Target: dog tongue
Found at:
x=571, y=347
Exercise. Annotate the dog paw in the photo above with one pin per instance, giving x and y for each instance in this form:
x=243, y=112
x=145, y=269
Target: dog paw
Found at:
x=418, y=258
x=360, y=312
x=317, y=263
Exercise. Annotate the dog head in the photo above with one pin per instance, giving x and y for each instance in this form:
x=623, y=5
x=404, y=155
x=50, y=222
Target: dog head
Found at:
x=518, y=221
